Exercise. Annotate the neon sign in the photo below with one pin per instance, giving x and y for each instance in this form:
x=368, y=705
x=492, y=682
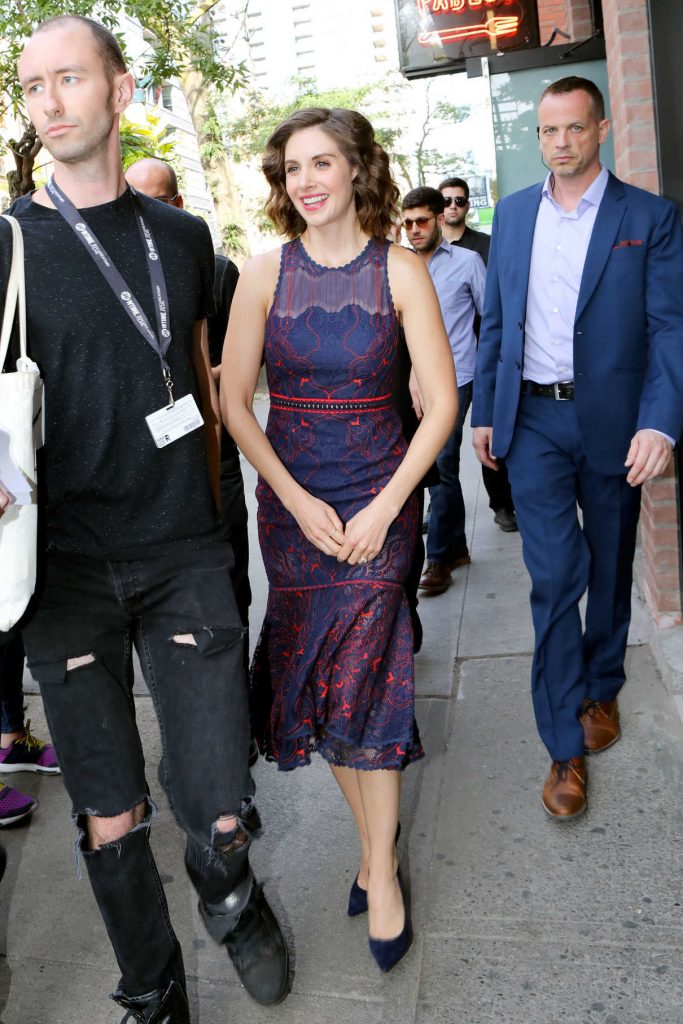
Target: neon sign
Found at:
x=439, y=36
x=455, y=6
x=493, y=27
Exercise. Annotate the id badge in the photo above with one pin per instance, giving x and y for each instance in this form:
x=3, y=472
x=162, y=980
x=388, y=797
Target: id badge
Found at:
x=168, y=424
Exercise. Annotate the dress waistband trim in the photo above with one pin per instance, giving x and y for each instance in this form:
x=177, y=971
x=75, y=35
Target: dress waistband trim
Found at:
x=368, y=581
x=330, y=405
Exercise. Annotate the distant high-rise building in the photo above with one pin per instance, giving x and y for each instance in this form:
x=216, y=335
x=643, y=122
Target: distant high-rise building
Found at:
x=331, y=42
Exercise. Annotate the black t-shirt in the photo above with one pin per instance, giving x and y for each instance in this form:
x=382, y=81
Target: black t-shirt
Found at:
x=224, y=286
x=109, y=491
x=477, y=241
x=225, y=282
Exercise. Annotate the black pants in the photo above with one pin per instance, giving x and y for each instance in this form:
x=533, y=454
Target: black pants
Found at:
x=498, y=488
x=236, y=518
x=180, y=613
x=11, y=681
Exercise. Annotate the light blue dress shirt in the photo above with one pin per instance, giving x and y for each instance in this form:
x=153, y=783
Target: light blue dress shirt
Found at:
x=557, y=257
x=459, y=277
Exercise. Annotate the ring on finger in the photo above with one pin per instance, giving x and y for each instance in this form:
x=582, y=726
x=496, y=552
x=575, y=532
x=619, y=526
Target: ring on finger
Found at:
x=362, y=561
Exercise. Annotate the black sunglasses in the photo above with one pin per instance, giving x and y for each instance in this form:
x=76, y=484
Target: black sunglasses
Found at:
x=420, y=222
x=458, y=200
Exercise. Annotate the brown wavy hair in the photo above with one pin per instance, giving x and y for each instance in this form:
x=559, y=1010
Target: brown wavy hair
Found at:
x=375, y=192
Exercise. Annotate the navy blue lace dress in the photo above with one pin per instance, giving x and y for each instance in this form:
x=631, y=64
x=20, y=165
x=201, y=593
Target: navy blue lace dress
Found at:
x=333, y=670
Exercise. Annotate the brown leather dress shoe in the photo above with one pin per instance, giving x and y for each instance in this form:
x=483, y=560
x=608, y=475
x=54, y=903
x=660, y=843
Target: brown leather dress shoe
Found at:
x=600, y=721
x=436, y=578
x=564, y=793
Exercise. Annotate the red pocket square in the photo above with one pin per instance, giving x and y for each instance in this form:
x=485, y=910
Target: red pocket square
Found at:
x=626, y=242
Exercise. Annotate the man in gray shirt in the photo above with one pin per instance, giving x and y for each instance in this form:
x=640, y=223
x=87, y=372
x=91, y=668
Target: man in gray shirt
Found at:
x=459, y=277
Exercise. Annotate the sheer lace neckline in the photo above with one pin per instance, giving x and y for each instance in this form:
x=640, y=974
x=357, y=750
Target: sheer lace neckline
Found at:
x=345, y=266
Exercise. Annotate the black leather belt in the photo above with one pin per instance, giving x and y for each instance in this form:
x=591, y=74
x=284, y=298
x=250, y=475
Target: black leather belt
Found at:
x=563, y=391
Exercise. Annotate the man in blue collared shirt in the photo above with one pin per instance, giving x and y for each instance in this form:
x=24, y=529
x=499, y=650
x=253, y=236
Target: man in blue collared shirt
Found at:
x=459, y=278
x=579, y=386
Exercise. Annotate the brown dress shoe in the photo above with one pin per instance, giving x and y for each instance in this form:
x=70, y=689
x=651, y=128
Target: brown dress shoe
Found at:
x=436, y=578
x=564, y=793
x=600, y=721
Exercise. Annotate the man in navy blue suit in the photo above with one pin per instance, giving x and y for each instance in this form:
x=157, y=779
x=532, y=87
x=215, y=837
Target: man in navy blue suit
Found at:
x=579, y=387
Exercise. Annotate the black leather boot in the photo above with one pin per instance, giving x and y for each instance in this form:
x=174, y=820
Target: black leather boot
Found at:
x=249, y=930
x=169, y=1007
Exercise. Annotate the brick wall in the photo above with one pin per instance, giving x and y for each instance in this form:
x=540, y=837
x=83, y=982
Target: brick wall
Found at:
x=551, y=14
x=570, y=16
x=660, y=536
x=630, y=89
x=635, y=145
x=579, y=19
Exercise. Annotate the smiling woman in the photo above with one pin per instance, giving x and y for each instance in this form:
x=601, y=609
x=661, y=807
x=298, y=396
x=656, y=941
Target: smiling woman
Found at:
x=337, y=514
x=354, y=152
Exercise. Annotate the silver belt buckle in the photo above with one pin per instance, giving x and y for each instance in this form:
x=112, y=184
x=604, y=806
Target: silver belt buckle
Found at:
x=556, y=388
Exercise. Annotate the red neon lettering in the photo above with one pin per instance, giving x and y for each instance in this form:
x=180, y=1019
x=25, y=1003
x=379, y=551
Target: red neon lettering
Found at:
x=457, y=6
x=494, y=28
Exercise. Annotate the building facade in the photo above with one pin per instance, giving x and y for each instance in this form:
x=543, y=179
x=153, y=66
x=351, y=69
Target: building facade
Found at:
x=330, y=43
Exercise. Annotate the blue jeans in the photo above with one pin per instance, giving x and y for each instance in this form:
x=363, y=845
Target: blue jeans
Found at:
x=11, y=689
x=180, y=613
x=446, y=536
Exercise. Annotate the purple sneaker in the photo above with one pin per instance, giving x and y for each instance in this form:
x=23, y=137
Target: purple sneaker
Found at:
x=29, y=754
x=14, y=805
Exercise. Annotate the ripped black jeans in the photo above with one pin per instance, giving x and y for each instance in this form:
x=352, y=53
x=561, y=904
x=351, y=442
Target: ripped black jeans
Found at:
x=179, y=611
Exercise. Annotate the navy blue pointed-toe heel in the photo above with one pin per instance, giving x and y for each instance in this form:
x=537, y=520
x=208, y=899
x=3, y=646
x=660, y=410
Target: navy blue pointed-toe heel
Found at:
x=358, y=897
x=358, y=900
x=387, y=952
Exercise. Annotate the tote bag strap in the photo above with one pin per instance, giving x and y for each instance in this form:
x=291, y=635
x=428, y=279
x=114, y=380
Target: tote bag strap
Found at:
x=15, y=298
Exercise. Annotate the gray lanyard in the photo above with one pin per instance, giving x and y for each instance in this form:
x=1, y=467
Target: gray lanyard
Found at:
x=159, y=340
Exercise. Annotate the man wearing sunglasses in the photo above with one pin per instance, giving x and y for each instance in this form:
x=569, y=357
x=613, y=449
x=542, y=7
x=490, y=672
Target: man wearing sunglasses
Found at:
x=456, y=197
x=459, y=278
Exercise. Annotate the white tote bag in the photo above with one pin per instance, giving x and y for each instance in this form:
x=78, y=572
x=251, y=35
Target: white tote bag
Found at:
x=21, y=395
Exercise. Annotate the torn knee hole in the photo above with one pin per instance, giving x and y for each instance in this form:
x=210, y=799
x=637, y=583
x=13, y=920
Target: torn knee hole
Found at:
x=184, y=640
x=208, y=639
x=83, y=659
x=102, y=830
x=229, y=835
x=227, y=823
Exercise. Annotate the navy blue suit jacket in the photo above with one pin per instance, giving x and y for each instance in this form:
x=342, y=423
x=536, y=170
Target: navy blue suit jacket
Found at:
x=628, y=331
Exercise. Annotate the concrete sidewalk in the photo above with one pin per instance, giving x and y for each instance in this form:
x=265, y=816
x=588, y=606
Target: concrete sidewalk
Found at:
x=518, y=919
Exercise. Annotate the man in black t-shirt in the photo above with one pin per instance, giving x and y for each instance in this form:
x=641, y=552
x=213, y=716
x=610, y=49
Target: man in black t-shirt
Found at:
x=134, y=547
x=456, y=196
